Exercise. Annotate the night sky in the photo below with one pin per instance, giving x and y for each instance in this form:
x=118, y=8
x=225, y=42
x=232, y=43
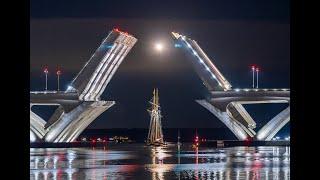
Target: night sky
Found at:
x=234, y=34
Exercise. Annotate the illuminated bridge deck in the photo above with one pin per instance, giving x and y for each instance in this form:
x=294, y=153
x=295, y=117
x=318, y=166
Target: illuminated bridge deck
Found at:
x=257, y=89
x=221, y=99
x=50, y=92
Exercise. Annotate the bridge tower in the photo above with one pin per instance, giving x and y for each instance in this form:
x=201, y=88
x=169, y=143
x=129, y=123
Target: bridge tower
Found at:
x=155, y=135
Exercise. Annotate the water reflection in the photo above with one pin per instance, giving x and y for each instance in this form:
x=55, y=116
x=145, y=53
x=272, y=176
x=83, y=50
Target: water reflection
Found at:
x=171, y=162
x=158, y=167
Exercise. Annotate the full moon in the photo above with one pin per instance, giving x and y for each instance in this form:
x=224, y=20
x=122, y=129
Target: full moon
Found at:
x=158, y=46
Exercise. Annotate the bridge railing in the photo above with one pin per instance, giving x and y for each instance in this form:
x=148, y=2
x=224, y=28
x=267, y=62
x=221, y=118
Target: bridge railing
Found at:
x=256, y=89
x=47, y=92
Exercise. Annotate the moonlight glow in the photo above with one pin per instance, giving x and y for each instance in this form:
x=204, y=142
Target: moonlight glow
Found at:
x=158, y=47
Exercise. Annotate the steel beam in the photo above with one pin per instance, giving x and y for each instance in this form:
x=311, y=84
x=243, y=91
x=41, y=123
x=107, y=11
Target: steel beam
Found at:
x=268, y=131
x=238, y=130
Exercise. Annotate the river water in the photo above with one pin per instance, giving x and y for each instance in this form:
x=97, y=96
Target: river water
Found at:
x=137, y=161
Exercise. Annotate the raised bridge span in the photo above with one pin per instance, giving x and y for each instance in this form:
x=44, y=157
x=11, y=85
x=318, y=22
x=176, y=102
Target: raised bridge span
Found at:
x=81, y=103
x=226, y=103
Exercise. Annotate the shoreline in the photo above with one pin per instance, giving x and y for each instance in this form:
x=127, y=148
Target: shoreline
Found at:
x=213, y=144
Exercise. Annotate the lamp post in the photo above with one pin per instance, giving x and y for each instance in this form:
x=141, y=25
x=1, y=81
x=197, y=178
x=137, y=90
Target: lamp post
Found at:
x=257, y=69
x=253, y=69
x=46, y=72
x=58, y=74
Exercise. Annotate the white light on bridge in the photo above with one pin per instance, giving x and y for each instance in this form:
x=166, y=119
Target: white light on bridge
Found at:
x=237, y=90
x=69, y=88
x=195, y=53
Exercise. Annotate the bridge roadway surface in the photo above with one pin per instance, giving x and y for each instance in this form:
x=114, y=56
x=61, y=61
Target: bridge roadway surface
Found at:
x=220, y=99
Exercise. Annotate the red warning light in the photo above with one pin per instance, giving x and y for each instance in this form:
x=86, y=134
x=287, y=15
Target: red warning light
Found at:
x=58, y=72
x=196, y=139
x=257, y=69
x=45, y=70
x=253, y=67
x=116, y=29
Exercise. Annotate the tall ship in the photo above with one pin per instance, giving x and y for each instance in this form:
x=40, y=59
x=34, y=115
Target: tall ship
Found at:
x=155, y=135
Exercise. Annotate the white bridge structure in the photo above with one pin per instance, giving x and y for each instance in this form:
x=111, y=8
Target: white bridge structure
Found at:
x=227, y=103
x=81, y=103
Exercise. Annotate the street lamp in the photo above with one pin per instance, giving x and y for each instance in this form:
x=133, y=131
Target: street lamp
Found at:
x=253, y=69
x=46, y=72
x=58, y=74
x=257, y=69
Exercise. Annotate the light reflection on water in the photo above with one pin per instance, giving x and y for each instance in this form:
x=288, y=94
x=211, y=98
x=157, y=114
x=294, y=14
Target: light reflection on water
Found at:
x=136, y=161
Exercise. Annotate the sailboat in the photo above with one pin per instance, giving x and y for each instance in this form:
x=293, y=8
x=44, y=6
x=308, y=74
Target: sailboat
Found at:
x=155, y=135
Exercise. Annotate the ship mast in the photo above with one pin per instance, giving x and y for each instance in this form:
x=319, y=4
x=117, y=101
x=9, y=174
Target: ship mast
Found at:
x=155, y=135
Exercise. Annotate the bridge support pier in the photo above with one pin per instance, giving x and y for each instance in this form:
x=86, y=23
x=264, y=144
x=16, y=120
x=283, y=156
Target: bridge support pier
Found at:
x=268, y=131
x=66, y=126
x=238, y=129
x=37, y=125
x=69, y=125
